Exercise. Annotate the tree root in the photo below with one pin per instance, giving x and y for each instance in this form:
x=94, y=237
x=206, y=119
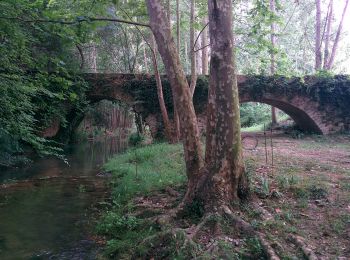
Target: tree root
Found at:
x=185, y=239
x=172, y=192
x=199, y=226
x=269, y=251
x=266, y=215
x=307, y=251
x=248, y=229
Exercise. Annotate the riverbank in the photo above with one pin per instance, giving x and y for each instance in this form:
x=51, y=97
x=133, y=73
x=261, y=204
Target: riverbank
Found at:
x=301, y=203
x=139, y=175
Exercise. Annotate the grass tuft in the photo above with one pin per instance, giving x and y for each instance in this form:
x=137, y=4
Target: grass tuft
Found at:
x=142, y=170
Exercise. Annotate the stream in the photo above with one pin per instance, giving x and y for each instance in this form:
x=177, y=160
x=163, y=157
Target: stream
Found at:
x=46, y=209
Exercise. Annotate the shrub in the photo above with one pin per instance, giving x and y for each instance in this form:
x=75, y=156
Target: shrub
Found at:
x=136, y=139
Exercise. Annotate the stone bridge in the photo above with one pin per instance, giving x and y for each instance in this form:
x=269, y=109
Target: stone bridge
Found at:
x=317, y=104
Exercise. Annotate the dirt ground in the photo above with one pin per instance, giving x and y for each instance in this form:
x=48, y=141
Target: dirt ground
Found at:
x=307, y=191
x=303, y=192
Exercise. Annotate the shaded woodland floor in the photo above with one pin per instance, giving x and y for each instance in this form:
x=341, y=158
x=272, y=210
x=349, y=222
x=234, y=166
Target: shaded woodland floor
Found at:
x=307, y=192
x=305, y=196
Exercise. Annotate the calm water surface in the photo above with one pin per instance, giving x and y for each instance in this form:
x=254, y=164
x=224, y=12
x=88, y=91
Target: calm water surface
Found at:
x=45, y=210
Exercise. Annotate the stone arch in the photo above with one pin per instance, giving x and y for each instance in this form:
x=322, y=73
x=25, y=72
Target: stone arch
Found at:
x=303, y=111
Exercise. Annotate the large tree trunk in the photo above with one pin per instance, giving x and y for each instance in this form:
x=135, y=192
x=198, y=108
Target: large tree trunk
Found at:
x=337, y=37
x=192, y=53
x=180, y=88
x=224, y=171
x=205, y=70
x=318, y=53
x=272, y=53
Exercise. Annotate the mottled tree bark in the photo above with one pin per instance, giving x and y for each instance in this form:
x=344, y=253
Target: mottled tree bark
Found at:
x=192, y=53
x=318, y=43
x=180, y=88
x=224, y=170
x=272, y=53
x=337, y=37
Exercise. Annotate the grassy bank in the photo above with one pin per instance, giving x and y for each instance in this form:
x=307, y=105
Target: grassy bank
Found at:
x=136, y=173
x=301, y=196
x=142, y=170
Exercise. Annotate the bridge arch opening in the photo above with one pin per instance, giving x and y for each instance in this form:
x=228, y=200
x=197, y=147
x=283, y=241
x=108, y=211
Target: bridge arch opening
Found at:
x=104, y=118
x=301, y=118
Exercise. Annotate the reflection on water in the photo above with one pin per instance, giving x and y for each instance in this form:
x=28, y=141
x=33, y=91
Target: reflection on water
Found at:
x=45, y=214
x=83, y=159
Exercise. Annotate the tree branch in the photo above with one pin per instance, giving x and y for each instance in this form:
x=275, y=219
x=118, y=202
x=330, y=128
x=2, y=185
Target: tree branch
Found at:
x=77, y=21
x=202, y=47
x=195, y=43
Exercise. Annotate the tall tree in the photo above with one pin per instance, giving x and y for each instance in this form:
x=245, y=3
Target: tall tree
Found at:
x=180, y=88
x=176, y=115
x=160, y=95
x=329, y=21
x=205, y=60
x=272, y=53
x=178, y=25
x=337, y=38
x=192, y=50
x=224, y=164
x=318, y=41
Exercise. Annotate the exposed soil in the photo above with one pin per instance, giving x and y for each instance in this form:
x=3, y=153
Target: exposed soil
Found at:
x=300, y=205
x=316, y=205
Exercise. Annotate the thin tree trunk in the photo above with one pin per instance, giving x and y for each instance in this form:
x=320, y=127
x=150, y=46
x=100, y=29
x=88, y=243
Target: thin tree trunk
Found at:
x=186, y=56
x=94, y=58
x=181, y=91
x=272, y=53
x=163, y=109
x=337, y=37
x=81, y=53
x=145, y=59
x=168, y=11
x=178, y=25
x=192, y=48
x=177, y=134
x=198, y=55
x=224, y=162
x=328, y=34
x=205, y=70
x=318, y=43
